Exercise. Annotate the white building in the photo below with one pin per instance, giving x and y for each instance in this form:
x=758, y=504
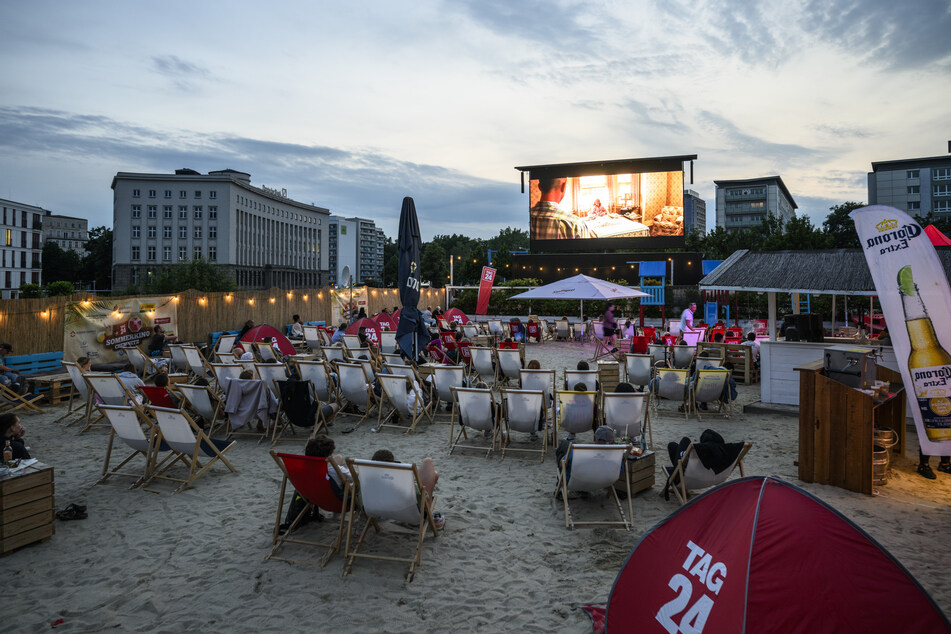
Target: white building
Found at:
x=21, y=246
x=356, y=248
x=742, y=204
x=919, y=186
x=70, y=234
x=265, y=238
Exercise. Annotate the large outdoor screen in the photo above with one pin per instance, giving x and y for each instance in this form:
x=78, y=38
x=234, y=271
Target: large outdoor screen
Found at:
x=577, y=207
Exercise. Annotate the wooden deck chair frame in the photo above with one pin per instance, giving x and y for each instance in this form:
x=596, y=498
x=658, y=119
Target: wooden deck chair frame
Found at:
x=444, y=378
x=601, y=349
x=265, y=352
x=12, y=400
x=483, y=363
x=224, y=371
x=543, y=380
x=395, y=388
x=522, y=412
x=381, y=505
x=707, y=383
x=584, y=423
x=225, y=345
x=188, y=444
x=197, y=364
x=80, y=387
x=203, y=401
x=620, y=411
x=348, y=373
x=590, y=471
x=143, y=364
x=319, y=481
x=679, y=477
x=312, y=338
x=99, y=382
x=179, y=361
x=665, y=388
x=509, y=363
x=682, y=356
x=127, y=424
x=469, y=406
x=639, y=369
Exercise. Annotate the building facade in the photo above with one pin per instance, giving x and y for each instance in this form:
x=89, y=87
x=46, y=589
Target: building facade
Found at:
x=261, y=235
x=742, y=204
x=70, y=234
x=695, y=213
x=21, y=247
x=356, y=248
x=919, y=186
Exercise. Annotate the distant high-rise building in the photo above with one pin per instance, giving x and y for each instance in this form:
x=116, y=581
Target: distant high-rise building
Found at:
x=265, y=238
x=742, y=204
x=695, y=213
x=919, y=186
x=69, y=233
x=355, y=249
x=21, y=246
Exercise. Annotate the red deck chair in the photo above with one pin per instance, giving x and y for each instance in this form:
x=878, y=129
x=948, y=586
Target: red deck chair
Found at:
x=508, y=345
x=639, y=344
x=670, y=340
x=308, y=475
x=515, y=328
x=735, y=340
x=651, y=333
x=465, y=355
x=533, y=330
x=715, y=330
x=158, y=396
x=448, y=340
x=437, y=353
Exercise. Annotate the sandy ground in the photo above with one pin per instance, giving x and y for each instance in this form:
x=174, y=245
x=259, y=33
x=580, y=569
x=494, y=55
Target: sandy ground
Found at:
x=504, y=562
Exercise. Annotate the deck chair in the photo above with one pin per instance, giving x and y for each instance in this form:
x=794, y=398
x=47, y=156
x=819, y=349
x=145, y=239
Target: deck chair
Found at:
x=202, y=400
x=223, y=372
x=444, y=378
x=562, y=330
x=639, y=369
x=144, y=366
x=80, y=389
x=127, y=424
x=396, y=389
x=682, y=356
x=577, y=331
x=334, y=354
x=188, y=444
x=297, y=408
x=249, y=365
x=351, y=342
x=390, y=357
x=483, y=362
x=576, y=411
x=12, y=400
x=355, y=386
x=403, y=370
x=312, y=338
x=523, y=412
x=475, y=409
x=592, y=468
x=266, y=352
x=588, y=377
x=226, y=358
x=707, y=386
x=196, y=363
x=510, y=364
x=317, y=373
x=495, y=328
x=639, y=344
x=627, y=413
x=470, y=330
x=601, y=349
x=179, y=362
x=246, y=400
x=543, y=380
x=388, y=491
x=670, y=383
x=308, y=475
x=690, y=474
x=533, y=331
x=110, y=391
x=388, y=341
x=157, y=396
x=271, y=373
x=659, y=353
x=225, y=345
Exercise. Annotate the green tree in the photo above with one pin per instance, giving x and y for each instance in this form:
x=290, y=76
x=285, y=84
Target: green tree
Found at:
x=97, y=264
x=802, y=235
x=61, y=287
x=197, y=274
x=31, y=291
x=435, y=264
x=59, y=264
x=840, y=228
x=391, y=262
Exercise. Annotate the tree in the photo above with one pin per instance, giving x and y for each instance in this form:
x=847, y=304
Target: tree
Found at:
x=31, y=291
x=840, y=228
x=197, y=274
x=801, y=235
x=59, y=264
x=390, y=262
x=61, y=287
x=435, y=264
x=97, y=265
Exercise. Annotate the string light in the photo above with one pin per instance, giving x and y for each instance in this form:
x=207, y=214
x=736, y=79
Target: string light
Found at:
x=251, y=301
x=272, y=300
x=228, y=297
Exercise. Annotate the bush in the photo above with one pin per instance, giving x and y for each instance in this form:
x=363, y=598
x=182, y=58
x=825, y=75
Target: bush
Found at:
x=30, y=291
x=54, y=289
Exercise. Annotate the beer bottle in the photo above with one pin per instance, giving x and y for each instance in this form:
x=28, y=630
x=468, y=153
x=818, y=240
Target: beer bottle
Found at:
x=928, y=364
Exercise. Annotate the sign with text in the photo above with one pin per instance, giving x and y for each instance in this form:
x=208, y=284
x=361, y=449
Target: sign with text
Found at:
x=99, y=328
x=485, y=290
x=347, y=303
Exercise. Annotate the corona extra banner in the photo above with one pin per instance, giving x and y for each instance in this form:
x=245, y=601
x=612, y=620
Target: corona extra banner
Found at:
x=485, y=290
x=916, y=300
x=99, y=328
x=347, y=304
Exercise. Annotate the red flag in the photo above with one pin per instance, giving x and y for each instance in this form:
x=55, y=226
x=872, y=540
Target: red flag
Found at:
x=485, y=290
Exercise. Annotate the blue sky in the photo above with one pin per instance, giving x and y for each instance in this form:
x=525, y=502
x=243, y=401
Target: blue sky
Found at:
x=352, y=107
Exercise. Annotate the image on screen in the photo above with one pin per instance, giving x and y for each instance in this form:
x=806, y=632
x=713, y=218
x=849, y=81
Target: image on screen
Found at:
x=644, y=205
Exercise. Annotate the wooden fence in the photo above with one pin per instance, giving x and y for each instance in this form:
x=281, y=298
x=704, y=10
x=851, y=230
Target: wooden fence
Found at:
x=36, y=325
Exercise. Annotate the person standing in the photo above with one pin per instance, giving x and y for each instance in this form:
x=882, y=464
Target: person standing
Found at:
x=686, y=318
x=609, y=324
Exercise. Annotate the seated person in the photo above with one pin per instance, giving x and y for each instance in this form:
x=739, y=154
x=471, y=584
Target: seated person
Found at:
x=161, y=380
x=159, y=341
x=321, y=446
x=729, y=390
x=712, y=451
x=718, y=337
x=752, y=342
x=883, y=339
x=428, y=477
x=603, y=435
x=248, y=355
x=297, y=328
x=339, y=333
x=364, y=341
x=12, y=431
x=584, y=367
x=517, y=330
x=8, y=376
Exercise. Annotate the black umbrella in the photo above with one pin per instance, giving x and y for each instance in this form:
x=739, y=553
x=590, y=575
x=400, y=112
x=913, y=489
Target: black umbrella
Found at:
x=411, y=333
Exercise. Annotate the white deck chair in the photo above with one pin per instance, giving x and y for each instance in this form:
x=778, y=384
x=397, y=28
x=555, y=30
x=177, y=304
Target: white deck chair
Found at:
x=396, y=388
x=659, y=352
x=266, y=352
x=495, y=328
x=592, y=468
x=403, y=370
x=202, y=400
x=225, y=371
x=225, y=345
x=578, y=331
x=352, y=343
x=523, y=413
x=389, y=358
x=80, y=389
x=483, y=362
x=227, y=358
x=691, y=475
x=318, y=374
x=470, y=330
x=446, y=377
x=312, y=338
x=670, y=383
x=627, y=413
x=562, y=330
x=543, y=380
x=356, y=387
x=510, y=364
x=110, y=391
x=576, y=411
x=475, y=409
x=271, y=373
x=337, y=354
x=388, y=341
x=127, y=424
x=196, y=363
x=388, y=491
x=144, y=366
x=189, y=444
x=682, y=356
x=179, y=361
x=707, y=386
x=588, y=377
x=639, y=369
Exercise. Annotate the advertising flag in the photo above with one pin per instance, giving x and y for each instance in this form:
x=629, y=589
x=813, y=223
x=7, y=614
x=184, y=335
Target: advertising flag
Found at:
x=485, y=290
x=916, y=300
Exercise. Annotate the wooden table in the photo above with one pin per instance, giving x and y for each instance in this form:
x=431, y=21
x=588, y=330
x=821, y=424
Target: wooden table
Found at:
x=640, y=473
x=56, y=386
x=26, y=507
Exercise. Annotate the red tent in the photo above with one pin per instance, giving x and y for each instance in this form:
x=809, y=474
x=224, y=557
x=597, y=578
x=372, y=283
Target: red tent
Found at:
x=937, y=238
x=387, y=320
x=761, y=555
x=258, y=333
x=373, y=329
x=456, y=315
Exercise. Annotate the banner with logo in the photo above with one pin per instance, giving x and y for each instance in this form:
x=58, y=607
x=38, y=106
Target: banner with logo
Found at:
x=916, y=300
x=347, y=303
x=485, y=290
x=98, y=328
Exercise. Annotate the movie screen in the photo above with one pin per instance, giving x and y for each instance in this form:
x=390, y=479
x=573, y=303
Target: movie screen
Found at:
x=645, y=205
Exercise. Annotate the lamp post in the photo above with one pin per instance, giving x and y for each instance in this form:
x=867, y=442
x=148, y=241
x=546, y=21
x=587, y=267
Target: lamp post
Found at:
x=451, y=279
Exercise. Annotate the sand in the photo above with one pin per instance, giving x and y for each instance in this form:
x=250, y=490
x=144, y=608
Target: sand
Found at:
x=504, y=562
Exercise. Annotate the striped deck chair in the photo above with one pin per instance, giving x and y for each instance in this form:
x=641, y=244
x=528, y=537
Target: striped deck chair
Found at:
x=475, y=408
x=188, y=444
x=591, y=468
x=523, y=413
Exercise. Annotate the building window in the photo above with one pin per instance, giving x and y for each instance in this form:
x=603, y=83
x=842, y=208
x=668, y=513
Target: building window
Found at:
x=183, y=212
x=182, y=253
x=150, y=253
x=213, y=212
x=153, y=211
x=9, y=237
x=914, y=205
x=135, y=253
x=167, y=254
x=213, y=195
x=198, y=233
x=197, y=195
x=151, y=231
x=911, y=174
x=152, y=193
x=136, y=232
x=168, y=193
x=942, y=190
x=914, y=189
x=942, y=206
x=166, y=232
x=212, y=232
x=941, y=174
x=182, y=194
x=136, y=211
x=197, y=253
x=136, y=193
x=212, y=254
x=183, y=232
x=197, y=211
x=167, y=211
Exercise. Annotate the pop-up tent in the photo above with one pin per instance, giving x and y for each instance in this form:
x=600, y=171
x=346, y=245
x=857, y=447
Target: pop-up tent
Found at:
x=761, y=555
x=258, y=333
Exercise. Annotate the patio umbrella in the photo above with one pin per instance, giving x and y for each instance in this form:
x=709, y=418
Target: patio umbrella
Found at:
x=411, y=333
x=581, y=287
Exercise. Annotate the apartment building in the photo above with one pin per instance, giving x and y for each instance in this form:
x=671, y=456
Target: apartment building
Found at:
x=695, y=213
x=67, y=232
x=742, y=204
x=21, y=246
x=356, y=248
x=919, y=185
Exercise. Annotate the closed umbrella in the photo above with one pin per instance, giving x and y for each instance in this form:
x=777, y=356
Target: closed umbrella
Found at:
x=411, y=333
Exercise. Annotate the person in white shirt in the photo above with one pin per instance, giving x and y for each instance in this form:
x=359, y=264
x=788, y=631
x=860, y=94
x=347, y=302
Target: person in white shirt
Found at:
x=686, y=318
x=752, y=342
x=297, y=328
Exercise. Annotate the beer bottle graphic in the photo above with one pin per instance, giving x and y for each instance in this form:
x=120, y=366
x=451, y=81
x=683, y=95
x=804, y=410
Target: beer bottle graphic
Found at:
x=928, y=364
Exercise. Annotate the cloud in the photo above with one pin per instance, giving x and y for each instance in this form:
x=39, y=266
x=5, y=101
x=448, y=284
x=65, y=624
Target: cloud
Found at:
x=752, y=146
x=844, y=131
x=183, y=75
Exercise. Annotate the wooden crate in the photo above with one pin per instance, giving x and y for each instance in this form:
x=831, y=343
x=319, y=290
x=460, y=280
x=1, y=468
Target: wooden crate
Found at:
x=609, y=375
x=640, y=472
x=57, y=387
x=26, y=507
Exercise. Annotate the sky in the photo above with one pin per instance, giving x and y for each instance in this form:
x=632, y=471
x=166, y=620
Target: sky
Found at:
x=352, y=106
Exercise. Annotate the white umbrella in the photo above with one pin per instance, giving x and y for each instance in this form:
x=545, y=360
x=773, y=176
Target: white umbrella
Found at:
x=581, y=287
